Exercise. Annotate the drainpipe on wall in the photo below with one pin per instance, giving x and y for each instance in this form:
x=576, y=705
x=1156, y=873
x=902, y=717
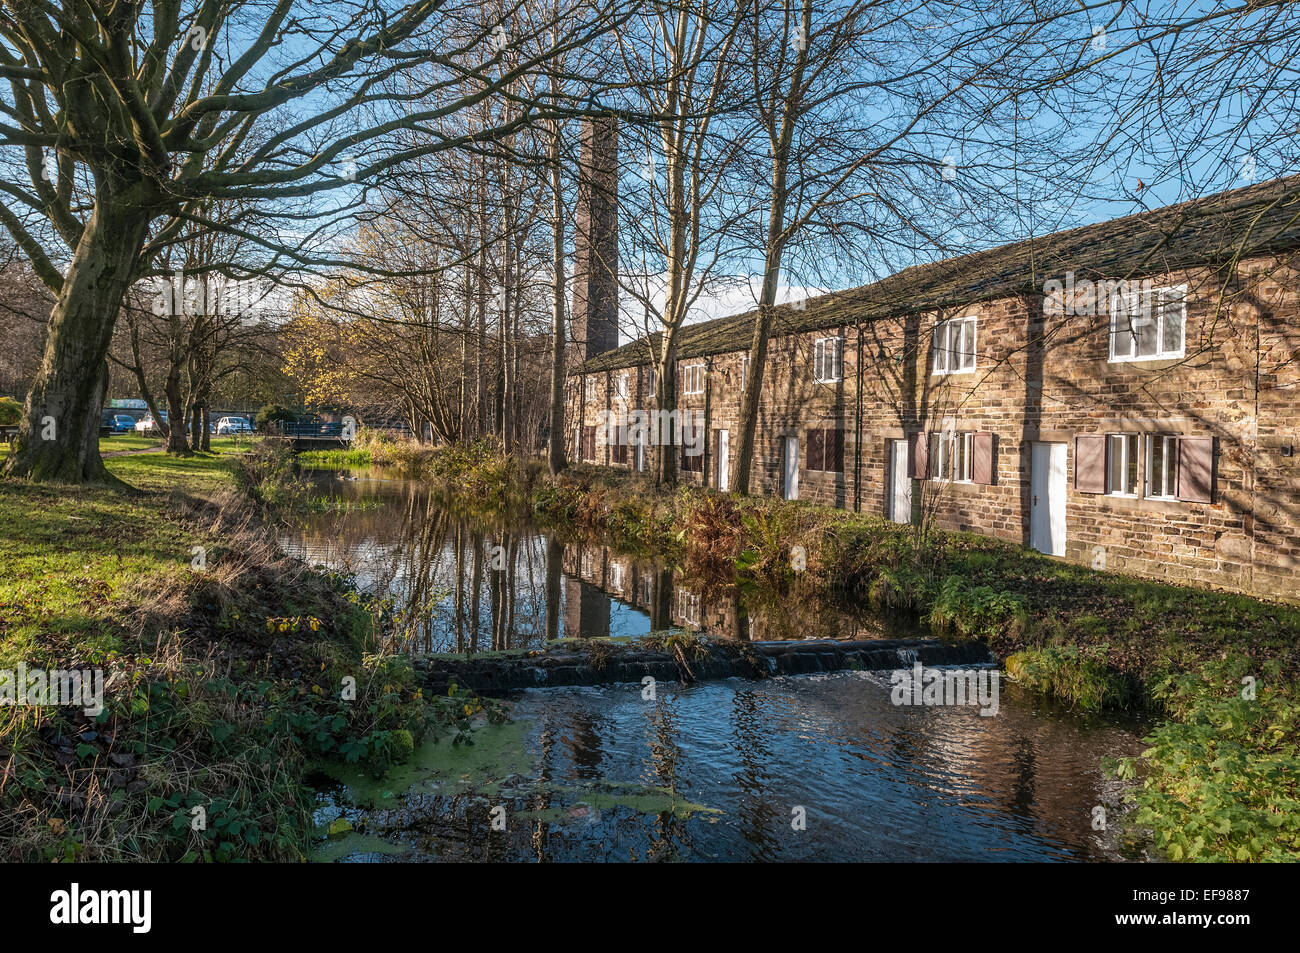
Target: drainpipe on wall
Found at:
x=857, y=429
x=708, y=418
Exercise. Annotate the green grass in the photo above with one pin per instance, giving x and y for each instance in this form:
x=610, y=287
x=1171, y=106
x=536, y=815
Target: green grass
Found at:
x=71, y=557
x=335, y=458
x=221, y=682
x=130, y=441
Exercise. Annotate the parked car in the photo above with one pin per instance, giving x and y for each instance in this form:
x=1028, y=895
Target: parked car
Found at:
x=123, y=423
x=148, y=425
x=233, y=425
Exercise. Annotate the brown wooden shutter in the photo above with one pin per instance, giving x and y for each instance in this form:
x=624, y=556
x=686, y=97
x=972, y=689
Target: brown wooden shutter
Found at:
x=982, y=468
x=836, y=455
x=918, y=455
x=1196, y=469
x=1090, y=463
x=816, y=450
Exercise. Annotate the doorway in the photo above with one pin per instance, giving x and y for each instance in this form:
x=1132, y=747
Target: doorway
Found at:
x=724, y=460
x=790, y=467
x=1047, y=504
x=900, y=484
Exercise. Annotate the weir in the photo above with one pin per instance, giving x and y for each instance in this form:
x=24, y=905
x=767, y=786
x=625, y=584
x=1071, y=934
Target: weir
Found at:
x=578, y=662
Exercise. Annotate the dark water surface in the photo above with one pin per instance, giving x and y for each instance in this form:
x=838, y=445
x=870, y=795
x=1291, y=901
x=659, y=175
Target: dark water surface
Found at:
x=820, y=767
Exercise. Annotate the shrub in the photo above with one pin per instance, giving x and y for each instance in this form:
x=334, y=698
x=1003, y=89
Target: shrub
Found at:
x=11, y=411
x=978, y=611
x=901, y=589
x=1222, y=783
x=272, y=413
x=1080, y=680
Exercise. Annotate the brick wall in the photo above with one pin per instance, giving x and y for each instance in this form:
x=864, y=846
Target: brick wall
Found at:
x=1048, y=378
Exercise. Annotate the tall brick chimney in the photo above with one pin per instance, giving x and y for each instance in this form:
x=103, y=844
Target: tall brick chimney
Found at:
x=594, y=326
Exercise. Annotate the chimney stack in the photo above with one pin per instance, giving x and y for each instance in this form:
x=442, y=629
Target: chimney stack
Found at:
x=594, y=326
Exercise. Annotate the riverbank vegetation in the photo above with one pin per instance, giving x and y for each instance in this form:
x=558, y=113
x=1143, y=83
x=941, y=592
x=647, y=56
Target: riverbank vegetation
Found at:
x=227, y=670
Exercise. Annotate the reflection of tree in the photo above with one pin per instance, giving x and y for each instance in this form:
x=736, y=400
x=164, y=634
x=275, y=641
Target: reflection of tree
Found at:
x=666, y=757
x=758, y=815
x=554, y=564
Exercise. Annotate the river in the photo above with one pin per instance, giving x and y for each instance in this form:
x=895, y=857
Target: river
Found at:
x=813, y=767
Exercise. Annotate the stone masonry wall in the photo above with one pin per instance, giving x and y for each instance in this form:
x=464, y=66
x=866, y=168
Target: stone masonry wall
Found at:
x=1048, y=378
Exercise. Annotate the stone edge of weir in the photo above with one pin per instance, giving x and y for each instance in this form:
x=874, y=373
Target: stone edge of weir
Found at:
x=572, y=664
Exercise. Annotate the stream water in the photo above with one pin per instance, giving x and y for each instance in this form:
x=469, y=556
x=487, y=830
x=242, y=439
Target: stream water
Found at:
x=818, y=767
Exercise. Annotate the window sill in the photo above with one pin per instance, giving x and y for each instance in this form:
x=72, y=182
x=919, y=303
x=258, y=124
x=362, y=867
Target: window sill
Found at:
x=1153, y=359
x=1123, y=496
x=968, y=370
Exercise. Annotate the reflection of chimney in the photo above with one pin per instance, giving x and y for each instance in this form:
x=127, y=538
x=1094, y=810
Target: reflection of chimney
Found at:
x=595, y=265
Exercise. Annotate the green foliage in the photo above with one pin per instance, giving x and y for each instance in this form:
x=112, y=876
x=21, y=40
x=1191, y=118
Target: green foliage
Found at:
x=900, y=589
x=11, y=411
x=1078, y=677
x=272, y=413
x=1222, y=782
x=977, y=611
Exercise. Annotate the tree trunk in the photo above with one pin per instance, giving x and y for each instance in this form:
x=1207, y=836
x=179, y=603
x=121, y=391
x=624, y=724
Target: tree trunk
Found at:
x=776, y=238
x=559, y=338
x=58, y=439
x=176, y=411
x=666, y=400
x=754, y=378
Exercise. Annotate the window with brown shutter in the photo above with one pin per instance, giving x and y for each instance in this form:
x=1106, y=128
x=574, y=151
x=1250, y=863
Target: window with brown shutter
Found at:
x=1090, y=463
x=1196, y=469
x=918, y=455
x=982, y=468
x=816, y=450
x=825, y=450
x=589, y=443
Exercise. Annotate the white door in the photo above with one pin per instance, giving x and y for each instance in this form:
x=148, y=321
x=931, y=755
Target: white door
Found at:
x=638, y=456
x=900, y=499
x=791, y=466
x=1047, y=505
x=724, y=461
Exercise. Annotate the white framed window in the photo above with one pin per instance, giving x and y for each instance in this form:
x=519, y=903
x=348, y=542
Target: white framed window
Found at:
x=1162, y=467
x=622, y=387
x=693, y=379
x=616, y=576
x=1121, y=464
x=940, y=445
x=1148, y=324
x=688, y=607
x=744, y=372
x=828, y=360
x=955, y=346
x=963, y=446
x=951, y=456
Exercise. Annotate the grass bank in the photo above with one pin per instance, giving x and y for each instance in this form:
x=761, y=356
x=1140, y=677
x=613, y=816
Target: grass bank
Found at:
x=1221, y=780
x=227, y=669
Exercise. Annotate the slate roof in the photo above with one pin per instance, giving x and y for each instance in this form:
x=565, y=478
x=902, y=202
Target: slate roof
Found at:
x=1262, y=219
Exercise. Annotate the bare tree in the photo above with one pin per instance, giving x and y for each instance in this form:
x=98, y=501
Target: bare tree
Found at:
x=128, y=119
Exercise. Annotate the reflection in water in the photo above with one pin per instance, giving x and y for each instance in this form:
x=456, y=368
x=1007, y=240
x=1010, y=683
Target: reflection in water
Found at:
x=708, y=771
x=876, y=781
x=462, y=585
